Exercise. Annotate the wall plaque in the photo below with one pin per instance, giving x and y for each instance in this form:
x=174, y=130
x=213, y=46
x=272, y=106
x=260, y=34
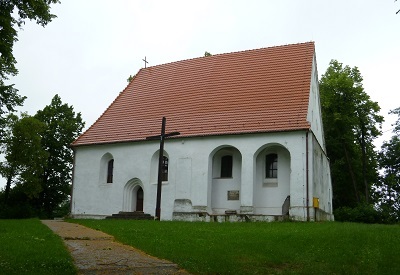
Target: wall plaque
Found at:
x=233, y=195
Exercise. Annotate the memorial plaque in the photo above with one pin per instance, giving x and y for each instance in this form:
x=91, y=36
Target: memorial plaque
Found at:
x=233, y=195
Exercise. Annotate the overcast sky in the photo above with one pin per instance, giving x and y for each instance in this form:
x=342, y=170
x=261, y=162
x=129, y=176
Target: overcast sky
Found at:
x=86, y=54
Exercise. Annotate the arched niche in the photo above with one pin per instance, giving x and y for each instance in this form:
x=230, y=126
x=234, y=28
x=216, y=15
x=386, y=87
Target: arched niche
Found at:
x=225, y=176
x=272, y=179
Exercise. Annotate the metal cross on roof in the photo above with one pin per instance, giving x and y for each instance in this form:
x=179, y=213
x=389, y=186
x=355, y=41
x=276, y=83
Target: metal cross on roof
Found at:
x=161, y=138
x=145, y=62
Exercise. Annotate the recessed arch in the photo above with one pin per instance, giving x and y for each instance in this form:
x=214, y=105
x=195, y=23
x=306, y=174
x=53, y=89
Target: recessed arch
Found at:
x=106, y=169
x=270, y=146
x=154, y=167
x=225, y=170
x=271, y=178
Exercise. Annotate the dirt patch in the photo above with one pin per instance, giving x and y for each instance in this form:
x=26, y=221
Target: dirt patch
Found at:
x=95, y=252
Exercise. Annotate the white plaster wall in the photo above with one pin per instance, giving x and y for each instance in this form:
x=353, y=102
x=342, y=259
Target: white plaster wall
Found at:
x=321, y=177
x=133, y=160
x=92, y=195
x=314, y=115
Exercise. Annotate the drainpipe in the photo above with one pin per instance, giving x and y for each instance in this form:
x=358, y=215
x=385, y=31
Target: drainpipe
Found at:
x=307, y=179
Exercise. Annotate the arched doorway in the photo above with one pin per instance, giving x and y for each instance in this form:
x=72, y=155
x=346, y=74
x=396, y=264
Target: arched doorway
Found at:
x=139, y=199
x=133, y=199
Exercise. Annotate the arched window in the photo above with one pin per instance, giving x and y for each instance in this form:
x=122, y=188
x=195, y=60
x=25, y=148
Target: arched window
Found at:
x=110, y=171
x=271, y=166
x=164, y=169
x=226, y=166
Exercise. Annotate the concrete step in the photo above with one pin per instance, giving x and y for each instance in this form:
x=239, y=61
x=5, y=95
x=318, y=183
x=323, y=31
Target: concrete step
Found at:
x=137, y=215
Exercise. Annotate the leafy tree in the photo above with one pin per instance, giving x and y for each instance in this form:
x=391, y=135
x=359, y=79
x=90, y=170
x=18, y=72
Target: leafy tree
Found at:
x=207, y=54
x=13, y=14
x=9, y=100
x=350, y=123
x=38, y=10
x=23, y=154
x=397, y=123
x=38, y=160
x=387, y=191
x=63, y=126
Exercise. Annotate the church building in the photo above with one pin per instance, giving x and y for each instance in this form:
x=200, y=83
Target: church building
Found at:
x=251, y=144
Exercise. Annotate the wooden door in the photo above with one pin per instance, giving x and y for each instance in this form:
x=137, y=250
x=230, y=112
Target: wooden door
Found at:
x=139, y=199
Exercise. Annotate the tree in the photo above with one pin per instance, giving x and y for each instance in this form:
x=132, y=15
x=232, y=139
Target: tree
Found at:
x=38, y=159
x=397, y=123
x=207, y=54
x=9, y=100
x=13, y=14
x=23, y=154
x=351, y=123
x=387, y=191
x=63, y=126
x=38, y=10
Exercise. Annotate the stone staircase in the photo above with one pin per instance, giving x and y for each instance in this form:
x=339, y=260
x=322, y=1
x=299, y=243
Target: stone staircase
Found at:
x=137, y=215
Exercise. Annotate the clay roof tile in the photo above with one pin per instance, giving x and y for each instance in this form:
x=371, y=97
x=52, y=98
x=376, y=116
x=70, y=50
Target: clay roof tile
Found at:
x=262, y=90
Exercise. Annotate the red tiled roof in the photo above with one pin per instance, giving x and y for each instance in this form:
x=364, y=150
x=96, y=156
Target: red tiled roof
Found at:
x=262, y=90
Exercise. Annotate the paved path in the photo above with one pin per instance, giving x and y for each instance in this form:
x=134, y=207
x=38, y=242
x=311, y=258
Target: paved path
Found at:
x=95, y=252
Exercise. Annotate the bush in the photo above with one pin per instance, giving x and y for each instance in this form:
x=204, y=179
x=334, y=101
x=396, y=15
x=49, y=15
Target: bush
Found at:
x=17, y=207
x=363, y=213
x=62, y=210
x=21, y=211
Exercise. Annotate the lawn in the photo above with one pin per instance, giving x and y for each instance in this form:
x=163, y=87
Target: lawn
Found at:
x=264, y=248
x=29, y=247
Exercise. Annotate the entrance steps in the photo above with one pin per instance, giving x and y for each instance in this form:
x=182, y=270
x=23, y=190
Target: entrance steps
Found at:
x=137, y=215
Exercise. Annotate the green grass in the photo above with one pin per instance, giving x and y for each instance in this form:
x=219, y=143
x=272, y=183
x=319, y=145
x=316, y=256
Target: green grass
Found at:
x=29, y=247
x=264, y=248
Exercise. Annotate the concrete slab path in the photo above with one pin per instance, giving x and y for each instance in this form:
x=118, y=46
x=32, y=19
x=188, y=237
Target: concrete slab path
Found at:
x=96, y=252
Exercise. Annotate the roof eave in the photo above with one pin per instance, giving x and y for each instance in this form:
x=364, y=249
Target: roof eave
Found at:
x=194, y=136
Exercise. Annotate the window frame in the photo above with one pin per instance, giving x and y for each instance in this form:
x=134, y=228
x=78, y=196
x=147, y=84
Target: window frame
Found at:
x=110, y=171
x=271, y=166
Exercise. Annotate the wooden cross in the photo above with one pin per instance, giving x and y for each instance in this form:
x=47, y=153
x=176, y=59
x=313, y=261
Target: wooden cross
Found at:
x=145, y=62
x=161, y=137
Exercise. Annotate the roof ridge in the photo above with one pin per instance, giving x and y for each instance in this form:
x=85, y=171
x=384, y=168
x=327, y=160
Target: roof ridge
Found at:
x=234, y=52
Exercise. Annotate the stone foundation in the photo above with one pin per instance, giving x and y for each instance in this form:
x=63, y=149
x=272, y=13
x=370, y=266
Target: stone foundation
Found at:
x=205, y=217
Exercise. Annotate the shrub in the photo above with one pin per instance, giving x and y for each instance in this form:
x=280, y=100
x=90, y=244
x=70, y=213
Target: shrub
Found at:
x=363, y=213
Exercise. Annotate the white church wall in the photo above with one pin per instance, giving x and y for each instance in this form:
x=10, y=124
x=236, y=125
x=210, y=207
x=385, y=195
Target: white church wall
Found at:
x=190, y=174
x=298, y=180
x=321, y=182
x=314, y=114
